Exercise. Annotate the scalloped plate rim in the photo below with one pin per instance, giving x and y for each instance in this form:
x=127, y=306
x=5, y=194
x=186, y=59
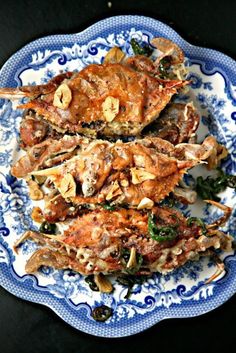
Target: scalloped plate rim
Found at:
x=53, y=307
x=58, y=312
x=94, y=25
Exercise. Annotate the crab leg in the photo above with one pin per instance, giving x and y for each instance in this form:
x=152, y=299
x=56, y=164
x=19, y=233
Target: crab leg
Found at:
x=220, y=268
x=184, y=195
x=219, y=222
x=33, y=91
x=46, y=153
x=168, y=49
x=123, y=179
x=95, y=242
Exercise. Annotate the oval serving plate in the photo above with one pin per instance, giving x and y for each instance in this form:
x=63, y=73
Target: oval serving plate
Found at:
x=182, y=293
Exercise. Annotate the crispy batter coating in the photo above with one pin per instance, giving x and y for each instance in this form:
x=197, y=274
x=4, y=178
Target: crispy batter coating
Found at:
x=97, y=241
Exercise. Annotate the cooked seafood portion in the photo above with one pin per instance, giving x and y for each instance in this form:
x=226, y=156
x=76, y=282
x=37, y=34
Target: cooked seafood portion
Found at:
x=34, y=130
x=169, y=63
x=118, y=97
x=177, y=123
x=48, y=153
x=136, y=174
x=110, y=99
x=127, y=241
x=109, y=137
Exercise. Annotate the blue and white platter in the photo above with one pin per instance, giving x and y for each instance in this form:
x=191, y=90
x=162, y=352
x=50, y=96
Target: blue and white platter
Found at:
x=176, y=295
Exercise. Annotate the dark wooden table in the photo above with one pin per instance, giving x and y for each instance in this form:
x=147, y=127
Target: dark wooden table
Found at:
x=32, y=328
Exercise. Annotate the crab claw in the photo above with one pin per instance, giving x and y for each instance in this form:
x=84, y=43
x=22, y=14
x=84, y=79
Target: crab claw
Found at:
x=185, y=195
x=168, y=48
x=227, y=212
x=196, y=152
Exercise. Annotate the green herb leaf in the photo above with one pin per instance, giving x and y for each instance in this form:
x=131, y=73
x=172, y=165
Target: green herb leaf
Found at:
x=129, y=281
x=125, y=254
x=199, y=222
x=101, y=313
x=208, y=188
x=108, y=207
x=92, y=285
x=162, y=233
x=164, y=65
x=168, y=201
x=140, y=50
x=48, y=228
x=231, y=181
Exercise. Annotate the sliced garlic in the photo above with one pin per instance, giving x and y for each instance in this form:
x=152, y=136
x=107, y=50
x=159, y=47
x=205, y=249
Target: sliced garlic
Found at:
x=139, y=160
x=114, y=191
x=47, y=172
x=68, y=186
x=62, y=96
x=139, y=175
x=145, y=203
x=35, y=193
x=110, y=108
x=37, y=215
x=114, y=55
x=132, y=259
x=40, y=179
x=103, y=283
x=124, y=183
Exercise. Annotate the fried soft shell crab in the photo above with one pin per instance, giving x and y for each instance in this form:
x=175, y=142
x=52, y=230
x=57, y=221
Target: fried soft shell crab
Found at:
x=134, y=148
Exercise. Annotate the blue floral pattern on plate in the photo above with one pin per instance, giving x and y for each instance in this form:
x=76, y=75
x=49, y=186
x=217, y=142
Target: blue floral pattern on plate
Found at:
x=182, y=293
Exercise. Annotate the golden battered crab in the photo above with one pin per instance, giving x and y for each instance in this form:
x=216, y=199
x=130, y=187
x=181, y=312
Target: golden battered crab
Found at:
x=136, y=174
x=118, y=97
x=128, y=241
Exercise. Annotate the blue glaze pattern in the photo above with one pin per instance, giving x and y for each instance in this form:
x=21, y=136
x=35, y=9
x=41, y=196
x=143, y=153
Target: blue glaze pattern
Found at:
x=182, y=293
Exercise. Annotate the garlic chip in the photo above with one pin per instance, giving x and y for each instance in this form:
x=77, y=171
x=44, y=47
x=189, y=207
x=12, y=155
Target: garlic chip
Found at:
x=114, y=191
x=139, y=175
x=132, y=259
x=103, y=283
x=37, y=215
x=145, y=203
x=110, y=108
x=114, y=55
x=68, y=186
x=35, y=193
x=62, y=96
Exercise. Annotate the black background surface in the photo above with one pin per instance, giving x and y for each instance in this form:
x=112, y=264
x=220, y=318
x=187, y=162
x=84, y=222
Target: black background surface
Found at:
x=31, y=328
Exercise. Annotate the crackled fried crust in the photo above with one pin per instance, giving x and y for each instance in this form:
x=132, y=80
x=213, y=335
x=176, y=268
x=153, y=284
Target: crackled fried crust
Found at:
x=86, y=176
x=95, y=242
x=120, y=173
x=47, y=153
x=141, y=99
x=176, y=124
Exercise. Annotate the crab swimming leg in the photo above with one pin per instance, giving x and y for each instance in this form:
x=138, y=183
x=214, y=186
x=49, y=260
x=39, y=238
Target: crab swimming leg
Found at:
x=96, y=241
x=137, y=174
x=222, y=220
x=32, y=92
